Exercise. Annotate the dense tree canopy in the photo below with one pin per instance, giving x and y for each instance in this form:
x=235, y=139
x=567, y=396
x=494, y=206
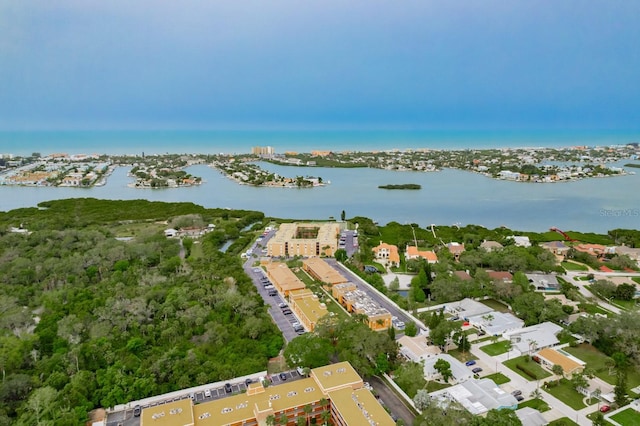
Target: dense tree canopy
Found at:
x=89, y=320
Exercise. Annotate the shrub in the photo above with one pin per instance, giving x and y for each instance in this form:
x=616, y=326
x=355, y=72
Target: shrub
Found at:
x=526, y=371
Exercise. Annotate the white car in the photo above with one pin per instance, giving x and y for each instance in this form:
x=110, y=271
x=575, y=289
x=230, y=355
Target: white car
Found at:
x=207, y=393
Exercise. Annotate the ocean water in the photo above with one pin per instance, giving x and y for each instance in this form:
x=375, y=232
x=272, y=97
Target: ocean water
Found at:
x=239, y=142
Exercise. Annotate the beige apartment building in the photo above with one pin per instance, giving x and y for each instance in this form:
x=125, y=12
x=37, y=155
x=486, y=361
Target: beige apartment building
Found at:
x=283, y=278
x=307, y=308
x=336, y=389
x=322, y=271
x=304, y=239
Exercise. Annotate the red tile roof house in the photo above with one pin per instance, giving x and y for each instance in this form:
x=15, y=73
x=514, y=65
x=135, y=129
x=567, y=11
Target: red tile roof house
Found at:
x=455, y=249
x=463, y=275
x=387, y=254
x=503, y=276
x=412, y=252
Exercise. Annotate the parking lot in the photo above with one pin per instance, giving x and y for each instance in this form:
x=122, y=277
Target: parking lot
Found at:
x=283, y=319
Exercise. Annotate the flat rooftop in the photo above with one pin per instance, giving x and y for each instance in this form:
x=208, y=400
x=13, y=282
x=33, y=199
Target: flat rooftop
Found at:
x=360, y=407
x=177, y=413
x=238, y=408
x=324, y=271
x=337, y=376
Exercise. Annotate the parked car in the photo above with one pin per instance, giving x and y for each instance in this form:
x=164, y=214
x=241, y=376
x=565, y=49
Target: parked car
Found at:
x=519, y=398
x=470, y=362
x=476, y=370
x=287, y=311
x=283, y=305
x=227, y=387
x=136, y=411
x=604, y=408
x=282, y=376
x=516, y=392
x=247, y=382
x=207, y=393
x=300, y=371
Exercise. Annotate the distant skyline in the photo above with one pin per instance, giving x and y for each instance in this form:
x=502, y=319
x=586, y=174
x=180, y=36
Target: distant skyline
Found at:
x=287, y=64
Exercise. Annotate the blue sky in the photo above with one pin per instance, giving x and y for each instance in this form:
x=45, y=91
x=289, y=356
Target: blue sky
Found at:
x=84, y=64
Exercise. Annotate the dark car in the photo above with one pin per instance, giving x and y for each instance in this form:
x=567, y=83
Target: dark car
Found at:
x=519, y=398
x=282, y=376
x=470, y=362
x=476, y=370
x=136, y=411
x=248, y=382
x=516, y=392
x=227, y=387
x=287, y=311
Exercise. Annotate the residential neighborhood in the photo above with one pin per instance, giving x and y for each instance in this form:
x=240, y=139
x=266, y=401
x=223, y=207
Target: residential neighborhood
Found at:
x=478, y=353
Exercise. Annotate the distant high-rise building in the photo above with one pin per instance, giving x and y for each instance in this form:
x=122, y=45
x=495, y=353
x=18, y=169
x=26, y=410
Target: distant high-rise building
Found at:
x=262, y=150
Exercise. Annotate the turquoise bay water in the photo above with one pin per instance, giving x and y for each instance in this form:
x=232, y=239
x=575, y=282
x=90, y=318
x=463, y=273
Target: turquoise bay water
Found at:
x=446, y=198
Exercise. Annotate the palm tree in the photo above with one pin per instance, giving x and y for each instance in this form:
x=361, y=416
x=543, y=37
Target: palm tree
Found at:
x=558, y=371
x=325, y=416
x=271, y=420
x=323, y=403
x=307, y=410
x=283, y=420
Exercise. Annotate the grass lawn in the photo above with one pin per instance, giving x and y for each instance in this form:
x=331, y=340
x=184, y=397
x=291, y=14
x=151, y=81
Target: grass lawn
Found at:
x=565, y=393
x=596, y=361
x=628, y=417
x=496, y=348
x=460, y=356
x=624, y=304
x=435, y=386
x=496, y=305
x=531, y=366
x=498, y=378
x=196, y=251
x=636, y=279
x=573, y=266
x=593, y=309
x=536, y=404
x=592, y=417
x=563, y=421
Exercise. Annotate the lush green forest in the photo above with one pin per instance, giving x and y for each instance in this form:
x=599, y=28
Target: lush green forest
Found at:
x=88, y=319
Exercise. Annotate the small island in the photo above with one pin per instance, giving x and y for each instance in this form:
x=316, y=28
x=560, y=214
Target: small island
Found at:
x=401, y=186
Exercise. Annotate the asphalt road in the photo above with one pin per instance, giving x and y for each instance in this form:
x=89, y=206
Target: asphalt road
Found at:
x=392, y=401
x=259, y=278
